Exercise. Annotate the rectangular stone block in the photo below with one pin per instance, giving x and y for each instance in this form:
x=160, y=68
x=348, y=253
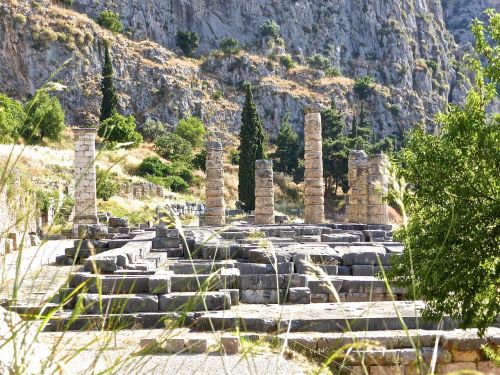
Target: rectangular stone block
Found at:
x=265, y=281
x=300, y=295
x=159, y=284
x=163, y=232
x=165, y=242
x=194, y=301
x=197, y=345
x=121, y=303
x=262, y=296
x=230, y=345
x=259, y=268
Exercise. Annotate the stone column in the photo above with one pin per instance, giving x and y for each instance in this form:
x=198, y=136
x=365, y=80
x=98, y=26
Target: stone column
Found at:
x=378, y=181
x=358, y=190
x=214, y=189
x=313, y=174
x=85, y=177
x=264, y=193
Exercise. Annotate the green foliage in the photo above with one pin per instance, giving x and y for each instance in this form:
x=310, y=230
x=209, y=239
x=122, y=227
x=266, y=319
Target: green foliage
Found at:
x=44, y=118
x=109, y=98
x=217, y=95
x=333, y=72
x=152, y=166
x=173, y=183
x=111, y=21
x=192, y=130
x=319, y=61
x=12, y=117
x=120, y=129
x=173, y=147
x=188, y=42
x=229, y=46
x=106, y=184
x=251, y=149
x=287, y=62
x=288, y=148
x=363, y=87
x=152, y=130
x=200, y=160
x=270, y=28
x=451, y=257
x=234, y=156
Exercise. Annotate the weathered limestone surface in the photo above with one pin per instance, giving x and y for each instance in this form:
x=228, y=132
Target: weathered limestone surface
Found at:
x=214, y=189
x=264, y=193
x=313, y=174
x=368, y=182
x=85, y=177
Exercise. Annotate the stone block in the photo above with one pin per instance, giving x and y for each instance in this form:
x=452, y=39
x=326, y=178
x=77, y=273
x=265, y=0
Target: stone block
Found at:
x=173, y=345
x=92, y=231
x=230, y=345
x=465, y=356
x=387, y=370
x=456, y=367
x=197, y=345
x=299, y=295
x=259, y=268
x=488, y=368
x=319, y=298
x=367, y=270
x=159, y=284
x=267, y=281
x=165, y=242
x=234, y=294
x=194, y=301
x=257, y=296
x=117, y=222
x=121, y=303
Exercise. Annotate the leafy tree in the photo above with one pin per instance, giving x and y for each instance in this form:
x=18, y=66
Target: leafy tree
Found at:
x=173, y=147
x=451, y=258
x=286, y=157
x=152, y=130
x=44, y=118
x=251, y=149
x=363, y=87
x=192, y=130
x=229, y=46
x=188, y=42
x=319, y=61
x=109, y=99
x=111, y=21
x=12, y=117
x=106, y=184
x=270, y=28
x=200, y=160
x=120, y=129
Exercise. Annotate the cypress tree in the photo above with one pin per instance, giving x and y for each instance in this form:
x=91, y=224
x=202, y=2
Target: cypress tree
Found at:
x=109, y=99
x=251, y=149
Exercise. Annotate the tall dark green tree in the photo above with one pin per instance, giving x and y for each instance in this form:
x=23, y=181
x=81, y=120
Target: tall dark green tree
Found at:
x=251, y=149
x=109, y=99
x=287, y=154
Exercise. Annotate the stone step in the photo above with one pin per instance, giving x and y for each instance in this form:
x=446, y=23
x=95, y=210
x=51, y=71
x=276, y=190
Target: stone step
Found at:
x=259, y=268
x=118, y=303
x=215, y=281
x=193, y=301
x=188, y=267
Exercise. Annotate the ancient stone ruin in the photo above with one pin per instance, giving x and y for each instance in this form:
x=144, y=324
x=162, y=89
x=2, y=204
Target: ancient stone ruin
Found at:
x=368, y=183
x=264, y=192
x=214, y=189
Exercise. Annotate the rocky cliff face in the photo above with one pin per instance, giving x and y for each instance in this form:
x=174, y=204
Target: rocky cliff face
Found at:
x=404, y=44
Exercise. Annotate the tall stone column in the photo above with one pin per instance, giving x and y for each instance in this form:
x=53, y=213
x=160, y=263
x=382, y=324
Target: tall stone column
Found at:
x=378, y=181
x=358, y=190
x=264, y=192
x=215, y=209
x=85, y=177
x=313, y=175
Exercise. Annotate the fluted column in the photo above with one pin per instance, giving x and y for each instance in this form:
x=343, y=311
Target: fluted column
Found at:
x=264, y=193
x=214, y=189
x=313, y=175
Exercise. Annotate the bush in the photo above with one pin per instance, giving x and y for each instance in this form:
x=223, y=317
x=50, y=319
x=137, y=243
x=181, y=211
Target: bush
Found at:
x=192, y=130
x=152, y=166
x=188, y=42
x=152, y=130
x=217, y=95
x=200, y=160
x=106, y=184
x=287, y=62
x=332, y=72
x=173, y=183
x=181, y=170
x=173, y=147
x=234, y=156
x=364, y=86
x=319, y=61
x=229, y=45
x=12, y=117
x=111, y=21
x=270, y=28
x=44, y=118
x=120, y=129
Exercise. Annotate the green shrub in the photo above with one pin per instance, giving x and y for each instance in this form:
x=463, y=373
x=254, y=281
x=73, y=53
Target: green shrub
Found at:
x=173, y=147
x=152, y=166
x=173, y=183
x=287, y=62
x=152, y=130
x=181, y=170
x=192, y=130
x=332, y=72
x=106, y=184
x=364, y=86
x=44, y=118
x=319, y=61
x=200, y=160
x=234, y=156
x=270, y=28
x=120, y=129
x=217, y=95
x=111, y=21
x=188, y=42
x=12, y=117
x=229, y=45
x=20, y=18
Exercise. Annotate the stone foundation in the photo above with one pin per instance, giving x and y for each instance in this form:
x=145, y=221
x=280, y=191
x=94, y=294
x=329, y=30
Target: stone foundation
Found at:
x=368, y=182
x=264, y=193
x=214, y=188
x=314, y=211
